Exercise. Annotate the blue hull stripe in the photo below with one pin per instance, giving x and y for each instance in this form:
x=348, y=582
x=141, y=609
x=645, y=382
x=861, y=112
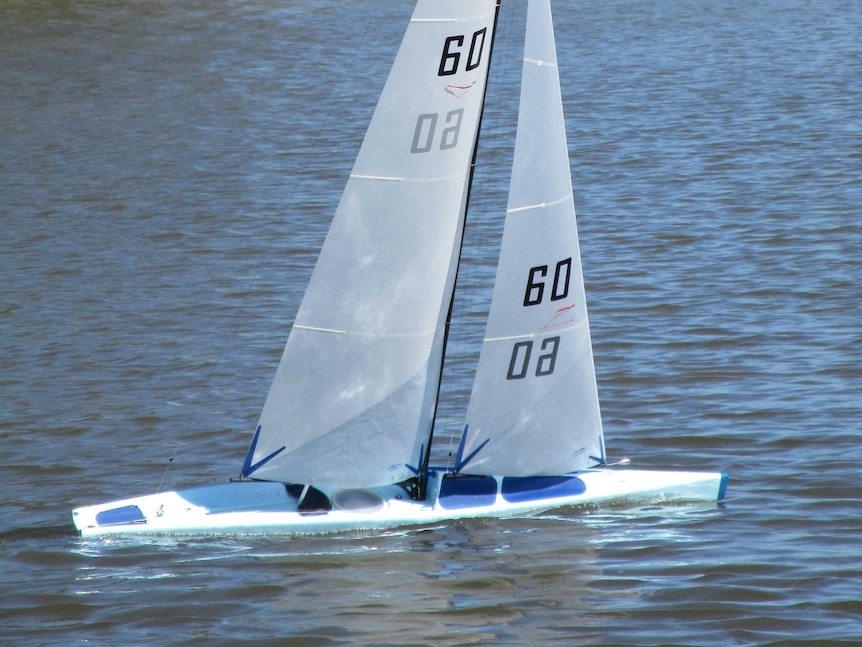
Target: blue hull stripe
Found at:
x=467, y=492
x=522, y=489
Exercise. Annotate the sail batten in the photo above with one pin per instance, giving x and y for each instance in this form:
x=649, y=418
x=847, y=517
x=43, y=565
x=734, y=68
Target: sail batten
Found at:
x=540, y=205
x=389, y=178
x=541, y=63
x=422, y=333
x=560, y=328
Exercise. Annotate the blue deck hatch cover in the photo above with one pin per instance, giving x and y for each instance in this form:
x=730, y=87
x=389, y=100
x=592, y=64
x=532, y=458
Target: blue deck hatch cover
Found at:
x=120, y=516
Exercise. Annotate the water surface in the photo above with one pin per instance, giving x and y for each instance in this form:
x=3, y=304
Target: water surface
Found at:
x=167, y=174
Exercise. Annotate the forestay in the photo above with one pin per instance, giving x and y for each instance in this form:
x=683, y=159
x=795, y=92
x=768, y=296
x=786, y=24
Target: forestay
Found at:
x=535, y=399
x=353, y=398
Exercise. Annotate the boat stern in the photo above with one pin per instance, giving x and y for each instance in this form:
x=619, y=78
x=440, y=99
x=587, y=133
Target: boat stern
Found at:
x=184, y=509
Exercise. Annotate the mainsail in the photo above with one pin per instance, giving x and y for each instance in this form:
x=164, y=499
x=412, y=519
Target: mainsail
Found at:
x=534, y=404
x=353, y=398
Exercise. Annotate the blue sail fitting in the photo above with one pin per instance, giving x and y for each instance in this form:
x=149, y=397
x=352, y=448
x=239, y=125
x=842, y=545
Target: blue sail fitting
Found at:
x=247, y=467
x=460, y=461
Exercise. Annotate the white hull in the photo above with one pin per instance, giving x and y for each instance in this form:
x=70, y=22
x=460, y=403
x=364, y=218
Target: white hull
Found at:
x=261, y=507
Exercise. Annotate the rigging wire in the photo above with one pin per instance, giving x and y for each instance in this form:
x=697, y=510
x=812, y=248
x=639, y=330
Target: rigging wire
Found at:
x=168, y=467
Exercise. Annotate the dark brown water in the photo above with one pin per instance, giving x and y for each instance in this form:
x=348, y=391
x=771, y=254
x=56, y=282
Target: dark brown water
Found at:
x=167, y=173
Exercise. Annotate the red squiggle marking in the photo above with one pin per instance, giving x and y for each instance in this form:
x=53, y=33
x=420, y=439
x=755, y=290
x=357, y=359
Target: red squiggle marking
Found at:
x=554, y=324
x=559, y=323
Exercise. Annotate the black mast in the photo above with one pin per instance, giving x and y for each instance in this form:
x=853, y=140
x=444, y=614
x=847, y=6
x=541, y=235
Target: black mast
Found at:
x=420, y=492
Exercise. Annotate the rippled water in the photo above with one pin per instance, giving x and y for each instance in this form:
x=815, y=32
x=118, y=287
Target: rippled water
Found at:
x=167, y=173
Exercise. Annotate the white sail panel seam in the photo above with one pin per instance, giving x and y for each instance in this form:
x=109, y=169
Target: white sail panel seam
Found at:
x=540, y=205
x=540, y=63
x=533, y=335
x=387, y=178
x=358, y=333
x=466, y=19
x=383, y=178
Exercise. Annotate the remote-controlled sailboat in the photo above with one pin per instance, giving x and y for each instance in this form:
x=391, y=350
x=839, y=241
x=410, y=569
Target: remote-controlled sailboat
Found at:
x=343, y=441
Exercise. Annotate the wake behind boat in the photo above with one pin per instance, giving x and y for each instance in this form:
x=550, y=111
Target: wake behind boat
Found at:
x=344, y=438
